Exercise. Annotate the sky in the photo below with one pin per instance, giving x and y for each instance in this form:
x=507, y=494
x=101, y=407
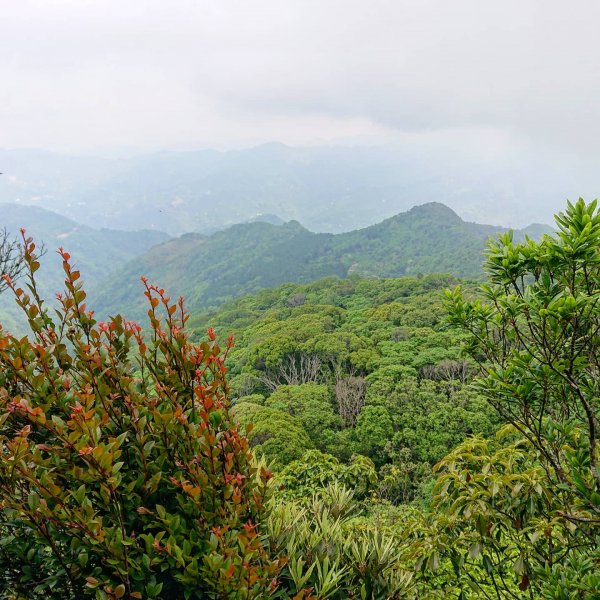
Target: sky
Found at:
x=478, y=77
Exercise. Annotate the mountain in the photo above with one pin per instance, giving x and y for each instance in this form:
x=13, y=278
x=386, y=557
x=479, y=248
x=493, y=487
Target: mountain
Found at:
x=97, y=252
x=268, y=218
x=328, y=189
x=208, y=270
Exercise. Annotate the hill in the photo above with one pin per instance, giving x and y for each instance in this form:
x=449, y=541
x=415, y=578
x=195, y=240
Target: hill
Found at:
x=207, y=270
x=354, y=366
x=97, y=252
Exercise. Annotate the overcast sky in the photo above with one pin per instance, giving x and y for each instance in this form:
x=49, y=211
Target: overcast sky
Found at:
x=479, y=76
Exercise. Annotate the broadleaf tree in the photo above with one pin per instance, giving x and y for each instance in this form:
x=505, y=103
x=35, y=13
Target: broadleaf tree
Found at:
x=535, y=333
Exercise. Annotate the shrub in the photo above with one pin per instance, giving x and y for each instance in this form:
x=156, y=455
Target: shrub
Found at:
x=122, y=473
x=303, y=478
x=336, y=555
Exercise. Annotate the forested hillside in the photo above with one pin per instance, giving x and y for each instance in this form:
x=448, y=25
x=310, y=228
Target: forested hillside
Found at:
x=209, y=270
x=412, y=437
x=355, y=366
x=98, y=252
x=293, y=302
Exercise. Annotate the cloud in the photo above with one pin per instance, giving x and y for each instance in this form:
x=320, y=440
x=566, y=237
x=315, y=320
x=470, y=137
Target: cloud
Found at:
x=78, y=74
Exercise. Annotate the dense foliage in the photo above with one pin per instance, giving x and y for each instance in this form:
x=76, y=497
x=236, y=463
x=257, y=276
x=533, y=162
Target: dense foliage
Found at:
x=354, y=366
x=401, y=468
x=209, y=270
x=121, y=471
x=536, y=336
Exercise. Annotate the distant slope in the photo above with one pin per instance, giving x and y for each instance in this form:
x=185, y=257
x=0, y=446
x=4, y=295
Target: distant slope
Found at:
x=208, y=270
x=97, y=252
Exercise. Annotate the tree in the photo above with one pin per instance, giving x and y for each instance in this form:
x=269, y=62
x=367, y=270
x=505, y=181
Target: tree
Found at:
x=310, y=403
x=374, y=428
x=295, y=369
x=122, y=473
x=536, y=338
x=304, y=477
x=11, y=258
x=500, y=523
x=350, y=395
x=275, y=435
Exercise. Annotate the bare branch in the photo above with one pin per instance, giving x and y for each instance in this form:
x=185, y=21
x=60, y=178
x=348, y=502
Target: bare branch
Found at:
x=295, y=370
x=12, y=262
x=350, y=395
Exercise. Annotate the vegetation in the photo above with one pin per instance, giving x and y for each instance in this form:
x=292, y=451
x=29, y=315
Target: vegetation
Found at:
x=121, y=471
x=536, y=337
x=383, y=462
x=334, y=554
x=98, y=252
x=209, y=270
x=11, y=258
x=353, y=367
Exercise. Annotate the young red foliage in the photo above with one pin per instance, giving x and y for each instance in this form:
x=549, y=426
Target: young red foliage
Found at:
x=119, y=459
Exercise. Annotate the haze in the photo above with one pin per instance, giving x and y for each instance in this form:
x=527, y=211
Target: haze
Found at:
x=515, y=84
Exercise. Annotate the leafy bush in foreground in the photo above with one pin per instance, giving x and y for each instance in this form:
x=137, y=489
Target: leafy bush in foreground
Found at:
x=122, y=474
x=536, y=337
x=336, y=555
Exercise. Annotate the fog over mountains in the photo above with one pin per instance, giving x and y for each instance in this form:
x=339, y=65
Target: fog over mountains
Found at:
x=327, y=189
x=215, y=225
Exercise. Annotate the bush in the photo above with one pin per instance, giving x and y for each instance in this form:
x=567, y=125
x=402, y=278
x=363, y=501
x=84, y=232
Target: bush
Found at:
x=334, y=554
x=122, y=473
x=303, y=478
x=276, y=436
x=534, y=334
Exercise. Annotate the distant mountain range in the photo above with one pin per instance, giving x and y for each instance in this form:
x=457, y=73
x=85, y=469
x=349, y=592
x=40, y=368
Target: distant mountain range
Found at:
x=208, y=270
x=327, y=189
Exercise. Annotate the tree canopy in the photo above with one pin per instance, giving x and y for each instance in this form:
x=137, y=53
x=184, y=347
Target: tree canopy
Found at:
x=364, y=439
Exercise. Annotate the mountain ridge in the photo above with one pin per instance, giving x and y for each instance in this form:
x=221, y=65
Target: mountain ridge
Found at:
x=96, y=252
x=208, y=270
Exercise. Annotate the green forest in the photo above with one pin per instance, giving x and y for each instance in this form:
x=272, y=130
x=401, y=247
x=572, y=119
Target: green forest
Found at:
x=369, y=433
x=241, y=260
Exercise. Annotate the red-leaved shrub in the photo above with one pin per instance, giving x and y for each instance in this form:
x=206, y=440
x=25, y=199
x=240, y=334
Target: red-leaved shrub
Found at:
x=122, y=474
